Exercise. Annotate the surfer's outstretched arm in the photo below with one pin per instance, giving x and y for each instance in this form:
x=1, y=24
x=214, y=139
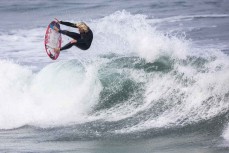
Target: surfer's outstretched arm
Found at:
x=68, y=24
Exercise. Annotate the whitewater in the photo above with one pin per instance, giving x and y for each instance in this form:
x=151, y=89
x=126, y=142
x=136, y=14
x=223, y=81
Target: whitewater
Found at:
x=139, y=82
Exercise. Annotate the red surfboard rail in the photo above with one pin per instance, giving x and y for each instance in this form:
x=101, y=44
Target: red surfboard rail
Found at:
x=52, y=40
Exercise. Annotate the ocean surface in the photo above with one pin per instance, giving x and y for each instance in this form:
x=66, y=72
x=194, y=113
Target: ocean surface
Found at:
x=155, y=80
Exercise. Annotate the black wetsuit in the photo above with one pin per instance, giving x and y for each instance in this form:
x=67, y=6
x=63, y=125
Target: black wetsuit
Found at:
x=83, y=39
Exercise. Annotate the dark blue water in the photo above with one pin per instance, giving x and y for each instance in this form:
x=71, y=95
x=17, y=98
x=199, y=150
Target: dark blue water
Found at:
x=154, y=80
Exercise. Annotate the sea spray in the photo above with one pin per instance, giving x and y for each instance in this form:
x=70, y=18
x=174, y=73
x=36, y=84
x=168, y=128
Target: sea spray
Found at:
x=61, y=93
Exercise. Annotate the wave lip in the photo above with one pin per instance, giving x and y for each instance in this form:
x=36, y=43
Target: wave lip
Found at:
x=133, y=34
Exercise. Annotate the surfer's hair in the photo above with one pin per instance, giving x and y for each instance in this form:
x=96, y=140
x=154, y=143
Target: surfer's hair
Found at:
x=82, y=26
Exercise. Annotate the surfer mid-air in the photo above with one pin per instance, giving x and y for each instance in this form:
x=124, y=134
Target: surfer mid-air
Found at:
x=82, y=40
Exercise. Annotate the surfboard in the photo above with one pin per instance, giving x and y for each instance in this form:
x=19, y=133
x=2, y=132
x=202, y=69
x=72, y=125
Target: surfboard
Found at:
x=52, y=40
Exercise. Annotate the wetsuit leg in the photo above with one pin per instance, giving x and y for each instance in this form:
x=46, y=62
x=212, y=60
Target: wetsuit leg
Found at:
x=67, y=46
x=82, y=46
x=73, y=35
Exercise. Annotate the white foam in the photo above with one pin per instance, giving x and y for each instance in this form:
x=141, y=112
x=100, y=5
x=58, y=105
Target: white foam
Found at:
x=189, y=96
x=226, y=134
x=124, y=33
x=60, y=94
x=190, y=92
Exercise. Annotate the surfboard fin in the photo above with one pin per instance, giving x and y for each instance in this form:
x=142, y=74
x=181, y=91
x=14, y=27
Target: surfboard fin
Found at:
x=51, y=55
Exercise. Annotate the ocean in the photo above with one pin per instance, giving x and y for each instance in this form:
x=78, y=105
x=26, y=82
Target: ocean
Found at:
x=155, y=80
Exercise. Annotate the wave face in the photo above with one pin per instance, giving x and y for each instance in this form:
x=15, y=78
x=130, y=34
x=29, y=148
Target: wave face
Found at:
x=143, y=81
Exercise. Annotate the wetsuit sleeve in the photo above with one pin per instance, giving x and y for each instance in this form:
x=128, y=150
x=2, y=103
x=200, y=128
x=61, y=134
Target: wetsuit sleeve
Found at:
x=68, y=24
x=63, y=31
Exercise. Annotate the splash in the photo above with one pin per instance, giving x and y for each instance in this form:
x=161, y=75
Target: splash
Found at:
x=126, y=33
x=59, y=94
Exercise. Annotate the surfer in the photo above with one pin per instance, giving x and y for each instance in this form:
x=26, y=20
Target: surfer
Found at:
x=81, y=40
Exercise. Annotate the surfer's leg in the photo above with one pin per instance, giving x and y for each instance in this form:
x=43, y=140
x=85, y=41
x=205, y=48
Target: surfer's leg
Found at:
x=67, y=46
x=70, y=34
x=82, y=46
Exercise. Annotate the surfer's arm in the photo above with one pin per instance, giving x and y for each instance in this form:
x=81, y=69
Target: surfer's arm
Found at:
x=68, y=24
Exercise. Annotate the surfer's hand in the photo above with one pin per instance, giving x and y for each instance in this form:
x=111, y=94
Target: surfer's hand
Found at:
x=73, y=41
x=58, y=21
x=57, y=50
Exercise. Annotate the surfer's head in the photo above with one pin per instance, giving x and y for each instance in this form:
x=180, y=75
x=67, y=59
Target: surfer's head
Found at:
x=82, y=27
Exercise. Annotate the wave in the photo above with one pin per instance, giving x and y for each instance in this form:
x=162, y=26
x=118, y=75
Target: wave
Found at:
x=143, y=80
x=127, y=33
x=189, y=17
x=58, y=94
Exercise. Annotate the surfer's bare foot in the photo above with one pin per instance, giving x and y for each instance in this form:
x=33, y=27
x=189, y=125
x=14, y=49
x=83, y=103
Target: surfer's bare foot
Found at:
x=73, y=41
x=57, y=50
x=56, y=29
